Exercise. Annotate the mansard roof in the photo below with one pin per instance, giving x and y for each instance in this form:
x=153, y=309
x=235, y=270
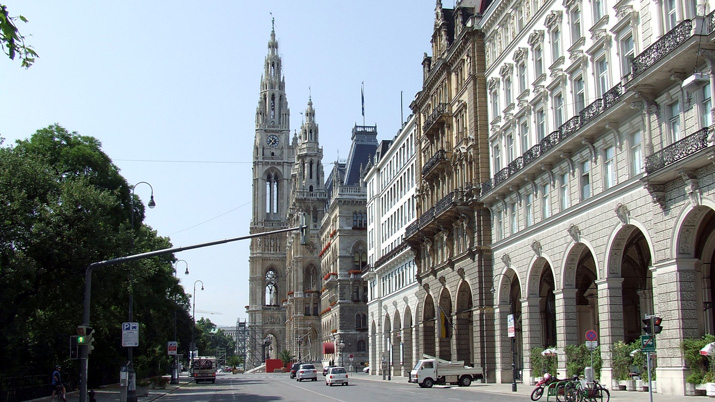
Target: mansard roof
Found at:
x=364, y=144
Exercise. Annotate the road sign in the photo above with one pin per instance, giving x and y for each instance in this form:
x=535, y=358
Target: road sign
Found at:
x=647, y=343
x=172, y=348
x=591, y=335
x=591, y=345
x=510, y=324
x=130, y=334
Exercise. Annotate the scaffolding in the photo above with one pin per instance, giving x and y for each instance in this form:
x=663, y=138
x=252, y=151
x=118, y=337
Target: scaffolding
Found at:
x=254, y=352
x=241, y=339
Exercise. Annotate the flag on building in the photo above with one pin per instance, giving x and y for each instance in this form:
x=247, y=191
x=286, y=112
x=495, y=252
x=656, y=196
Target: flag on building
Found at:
x=362, y=98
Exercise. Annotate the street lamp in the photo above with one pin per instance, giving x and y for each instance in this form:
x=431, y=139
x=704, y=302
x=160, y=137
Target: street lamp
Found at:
x=342, y=348
x=175, y=370
x=131, y=386
x=512, y=335
x=300, y=341
x=193, y=317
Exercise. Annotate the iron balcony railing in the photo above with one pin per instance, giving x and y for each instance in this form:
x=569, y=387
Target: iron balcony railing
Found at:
x=387, y=257
x=439, y=111
x=435, y=160
x=661, y=48
x=680, y=150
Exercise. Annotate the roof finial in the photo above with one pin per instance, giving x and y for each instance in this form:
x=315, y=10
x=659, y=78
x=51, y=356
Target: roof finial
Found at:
x=273, y=21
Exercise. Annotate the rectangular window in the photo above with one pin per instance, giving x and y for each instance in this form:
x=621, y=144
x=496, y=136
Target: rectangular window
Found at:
x=575, y=25
x=627, y=54
x=498, y=225
x=564, y=192
x=524, y=134
x=609, y=168
x=495, y=104
x=579, y=95
x=545, y=202
x=512, y=218
x=540, y=124
x=497, y=159
x=597, y=10
x=674, y=123
x=585, y=180
x=555, y=44
x=522, y=77
x=510, y=148
x=602, y=71
x=529, y=209
x=671, y=18
x=707, y=105
x=558, y=110
x=507, y=91
x=636, y=154
x=538, y=61
x=520, y=18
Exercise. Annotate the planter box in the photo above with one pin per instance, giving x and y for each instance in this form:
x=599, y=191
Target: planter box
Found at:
x=697, y=389
x=710, y=389
x=630, y=385
x=616, y=386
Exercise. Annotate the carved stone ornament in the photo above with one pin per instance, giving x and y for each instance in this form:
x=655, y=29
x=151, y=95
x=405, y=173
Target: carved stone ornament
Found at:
x=443, y=281
x=520, y=54
x=536, y=37
x=460, y=272
x=623, y=213
x=506, y=69
x=657, y=193
x=575, y=233
x=493, y=83
x=426, y=287
x=536, y=246
x=553, y=19
x=506, y=260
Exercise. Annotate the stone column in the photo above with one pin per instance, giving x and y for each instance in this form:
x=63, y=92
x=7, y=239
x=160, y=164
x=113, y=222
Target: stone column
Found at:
x=610, y=318
x=566, y=323
x=531, y=333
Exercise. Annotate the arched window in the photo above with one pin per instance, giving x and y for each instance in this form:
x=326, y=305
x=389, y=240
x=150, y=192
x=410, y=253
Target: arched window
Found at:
x=273, y=106
x=310, y=278
x=271, y=297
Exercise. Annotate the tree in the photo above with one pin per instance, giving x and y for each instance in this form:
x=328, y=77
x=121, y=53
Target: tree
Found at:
x=11, y=41
x=286, y=356
x=65, y=205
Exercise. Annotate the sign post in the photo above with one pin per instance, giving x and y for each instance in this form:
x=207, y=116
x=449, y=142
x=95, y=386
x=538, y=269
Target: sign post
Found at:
x=511, y=332
x=130, y=334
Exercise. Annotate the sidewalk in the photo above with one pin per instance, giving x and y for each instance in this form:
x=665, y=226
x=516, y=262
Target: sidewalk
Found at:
x=110, y=393
x=524, y=390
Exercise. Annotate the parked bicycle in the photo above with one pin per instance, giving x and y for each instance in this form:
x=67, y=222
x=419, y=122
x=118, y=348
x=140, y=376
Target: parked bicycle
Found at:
x=538, y=392
x=578, y=390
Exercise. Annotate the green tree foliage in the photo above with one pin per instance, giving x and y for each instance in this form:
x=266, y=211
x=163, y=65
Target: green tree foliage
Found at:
x=12, y=42
x=209, y=338
x=64, y=206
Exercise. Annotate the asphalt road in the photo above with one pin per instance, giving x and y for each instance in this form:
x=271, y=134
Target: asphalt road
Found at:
x=278, y=387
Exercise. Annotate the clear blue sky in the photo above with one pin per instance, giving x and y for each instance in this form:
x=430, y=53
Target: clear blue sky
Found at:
x=170, y=88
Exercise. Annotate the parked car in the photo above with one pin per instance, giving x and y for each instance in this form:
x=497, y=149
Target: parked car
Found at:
x=326, y=368
x=366, y=370
x=306, y=372
x=336, y=375
x=293, y=369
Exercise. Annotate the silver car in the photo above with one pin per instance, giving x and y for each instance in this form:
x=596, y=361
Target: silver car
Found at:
x=306, y=372
x=336, y=375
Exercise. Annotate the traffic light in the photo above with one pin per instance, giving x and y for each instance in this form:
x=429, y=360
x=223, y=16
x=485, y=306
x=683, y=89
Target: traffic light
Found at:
x=656, y=325
x=85, y=337
x=74, y=348
x=303, y=230
x=647, y=326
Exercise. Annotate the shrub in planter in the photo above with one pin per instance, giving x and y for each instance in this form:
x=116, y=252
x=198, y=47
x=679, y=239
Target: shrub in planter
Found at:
x=701, y=367
x=578, y=357
x=621, y=360
x=541, y=364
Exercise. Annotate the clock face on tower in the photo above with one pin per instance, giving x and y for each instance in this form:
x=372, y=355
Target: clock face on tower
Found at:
x=272, y=141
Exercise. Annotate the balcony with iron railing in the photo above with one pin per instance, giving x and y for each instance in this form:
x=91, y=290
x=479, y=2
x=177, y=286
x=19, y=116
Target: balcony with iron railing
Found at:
x=679, y=151
x=439, y=114
x=436, y=160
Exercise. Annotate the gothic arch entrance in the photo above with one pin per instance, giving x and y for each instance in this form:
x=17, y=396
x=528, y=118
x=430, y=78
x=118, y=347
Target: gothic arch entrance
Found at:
x=580, y=295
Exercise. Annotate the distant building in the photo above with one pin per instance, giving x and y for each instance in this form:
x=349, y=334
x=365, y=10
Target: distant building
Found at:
x=392, y=276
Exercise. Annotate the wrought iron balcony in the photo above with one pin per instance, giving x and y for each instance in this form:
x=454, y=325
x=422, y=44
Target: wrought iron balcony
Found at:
x=439, y=157
x=572, y=126
x=441, y=110
x=662, y=47
x=680, y=150
x=392, y=253
x=444, y=204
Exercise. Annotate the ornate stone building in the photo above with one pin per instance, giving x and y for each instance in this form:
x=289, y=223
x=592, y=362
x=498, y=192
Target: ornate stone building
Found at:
x=603, y=190
x=392, y=277
x=450, y=236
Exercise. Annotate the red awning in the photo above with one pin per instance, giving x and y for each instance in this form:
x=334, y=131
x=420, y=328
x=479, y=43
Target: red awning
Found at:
x=328, y=348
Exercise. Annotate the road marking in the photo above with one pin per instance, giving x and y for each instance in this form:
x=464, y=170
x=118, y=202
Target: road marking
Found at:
x=316, y=393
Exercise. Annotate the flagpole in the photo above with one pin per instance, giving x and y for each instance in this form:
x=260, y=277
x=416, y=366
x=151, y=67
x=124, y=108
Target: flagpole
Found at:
x=362, y=98
x=402, y=116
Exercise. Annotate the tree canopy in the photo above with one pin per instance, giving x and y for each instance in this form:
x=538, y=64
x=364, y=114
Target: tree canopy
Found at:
x=12, y=42
x=64, y=206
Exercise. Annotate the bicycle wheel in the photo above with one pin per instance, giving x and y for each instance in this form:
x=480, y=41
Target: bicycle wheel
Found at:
x=537, y=393
x=571, y=393
x=606, y=396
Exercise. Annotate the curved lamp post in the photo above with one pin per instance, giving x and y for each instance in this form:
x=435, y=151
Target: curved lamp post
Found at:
x=131, y=386
x=175, y=370
x=193, y=317
x=512, y=336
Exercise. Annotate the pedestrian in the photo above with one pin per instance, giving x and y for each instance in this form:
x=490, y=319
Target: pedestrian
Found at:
x=57, y=386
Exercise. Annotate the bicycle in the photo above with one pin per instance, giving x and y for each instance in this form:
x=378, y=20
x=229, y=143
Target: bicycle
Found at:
x=542, y=385
x=578, y=390
x=59, y=394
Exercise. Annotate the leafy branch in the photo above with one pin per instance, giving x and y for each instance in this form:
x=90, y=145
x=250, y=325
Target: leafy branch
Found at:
x=12, y=42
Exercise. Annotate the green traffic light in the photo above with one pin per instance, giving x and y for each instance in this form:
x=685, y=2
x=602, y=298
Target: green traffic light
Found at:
x=81, y=340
